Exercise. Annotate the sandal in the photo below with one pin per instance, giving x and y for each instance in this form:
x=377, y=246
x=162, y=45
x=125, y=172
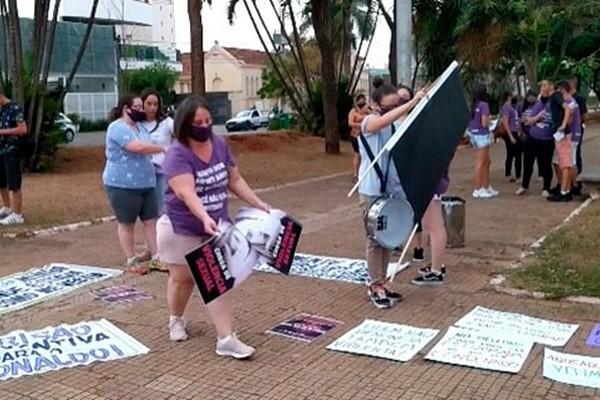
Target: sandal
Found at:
x=144, y=256
x=156, y=265
x=134, y=267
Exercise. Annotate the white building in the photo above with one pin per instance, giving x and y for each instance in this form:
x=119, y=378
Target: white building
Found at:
x=145, y=28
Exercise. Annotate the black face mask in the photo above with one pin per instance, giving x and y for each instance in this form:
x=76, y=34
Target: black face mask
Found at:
x=361, y=105
x=201, y=133
x=136, y=115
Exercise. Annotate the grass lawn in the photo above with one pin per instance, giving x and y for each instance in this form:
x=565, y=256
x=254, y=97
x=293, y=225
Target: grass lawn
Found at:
x=74, y=192
x=568, y=262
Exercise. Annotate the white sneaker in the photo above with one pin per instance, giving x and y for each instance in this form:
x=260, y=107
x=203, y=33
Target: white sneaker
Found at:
x=492, y=192
x=177, y=331
x=5, y=212
x=545, y=193
x=12, y=219
x=231, y=346
x=481, y=194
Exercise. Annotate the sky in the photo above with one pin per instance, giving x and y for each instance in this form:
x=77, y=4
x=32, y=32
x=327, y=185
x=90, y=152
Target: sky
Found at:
x=241, y=34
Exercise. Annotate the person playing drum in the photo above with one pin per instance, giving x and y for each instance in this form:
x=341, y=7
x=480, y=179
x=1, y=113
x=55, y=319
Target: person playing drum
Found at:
x=383, y=180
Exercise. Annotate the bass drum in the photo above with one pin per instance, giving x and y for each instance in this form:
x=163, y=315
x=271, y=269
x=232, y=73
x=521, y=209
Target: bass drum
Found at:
x=389, y=221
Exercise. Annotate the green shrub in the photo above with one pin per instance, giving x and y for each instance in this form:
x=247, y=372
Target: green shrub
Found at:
x=86, y=125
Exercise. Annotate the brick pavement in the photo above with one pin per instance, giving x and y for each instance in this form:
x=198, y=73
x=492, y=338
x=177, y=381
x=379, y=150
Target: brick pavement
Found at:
x=497, y=231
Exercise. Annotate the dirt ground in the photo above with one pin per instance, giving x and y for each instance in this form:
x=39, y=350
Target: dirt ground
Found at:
x=74, y=192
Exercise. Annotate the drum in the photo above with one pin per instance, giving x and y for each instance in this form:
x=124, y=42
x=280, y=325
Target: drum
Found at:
x=389, y=221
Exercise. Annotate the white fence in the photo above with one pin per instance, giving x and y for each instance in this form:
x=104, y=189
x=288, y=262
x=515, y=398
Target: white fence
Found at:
x=90, y=106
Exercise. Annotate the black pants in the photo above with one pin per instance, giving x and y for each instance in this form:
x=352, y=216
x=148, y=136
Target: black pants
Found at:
x=578, y=159
x=542, y=152
x=514, y=154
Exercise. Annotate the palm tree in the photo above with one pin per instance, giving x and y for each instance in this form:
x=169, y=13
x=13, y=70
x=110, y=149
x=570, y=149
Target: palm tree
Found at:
x=16, y=51
x=197, y=47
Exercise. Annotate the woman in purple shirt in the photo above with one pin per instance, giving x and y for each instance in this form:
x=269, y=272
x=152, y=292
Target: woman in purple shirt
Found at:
x=539, y=143
x=479, y=135
x=199, y=169
x=514, y=154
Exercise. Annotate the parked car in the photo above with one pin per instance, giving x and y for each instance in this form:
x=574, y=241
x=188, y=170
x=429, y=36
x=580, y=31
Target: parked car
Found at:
x=67, y=127
x=247, y=120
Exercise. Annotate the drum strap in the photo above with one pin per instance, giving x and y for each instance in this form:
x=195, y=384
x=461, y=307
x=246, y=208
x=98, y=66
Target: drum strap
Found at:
x=382, y=178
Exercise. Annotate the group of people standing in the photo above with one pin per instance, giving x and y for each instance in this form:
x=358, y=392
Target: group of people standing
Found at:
x=546, y=128
x=173, y=175
x=371, y=128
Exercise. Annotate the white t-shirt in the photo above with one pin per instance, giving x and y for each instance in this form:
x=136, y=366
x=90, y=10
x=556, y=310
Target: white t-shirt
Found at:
x=162, y=136
x=370, y=185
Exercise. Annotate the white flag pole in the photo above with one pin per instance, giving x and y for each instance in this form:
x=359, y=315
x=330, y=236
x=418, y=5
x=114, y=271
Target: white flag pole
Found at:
x=391, y=272
x=407, y=122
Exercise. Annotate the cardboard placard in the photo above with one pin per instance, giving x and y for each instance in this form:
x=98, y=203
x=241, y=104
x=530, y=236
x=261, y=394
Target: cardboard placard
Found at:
x=304, y=327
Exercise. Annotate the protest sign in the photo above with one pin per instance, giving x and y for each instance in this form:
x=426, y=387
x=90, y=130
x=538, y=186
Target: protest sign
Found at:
x=572, y=368
x=329, y=268
x=594, y=339
x=227, y=259
x=384, y=340
x=542, y=331
x=65, y=346
x=304, y=327
x=119, y=294
x=24, y=289
x=481, y=350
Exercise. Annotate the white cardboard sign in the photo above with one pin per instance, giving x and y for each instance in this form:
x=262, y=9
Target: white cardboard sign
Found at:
x=384, y=340
x=481, y=350
x=542, y=331
x=572, y=369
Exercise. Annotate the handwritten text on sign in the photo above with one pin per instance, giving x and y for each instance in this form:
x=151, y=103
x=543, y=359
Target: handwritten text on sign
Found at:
x=385, y=340
x=542, y=331
x=481, y=350
x=28, y=353
x=30, y=287
x=572, y=369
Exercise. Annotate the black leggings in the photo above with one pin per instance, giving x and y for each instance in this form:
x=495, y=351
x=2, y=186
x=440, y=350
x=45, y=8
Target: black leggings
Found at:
x=542, y=151
x=514, y=153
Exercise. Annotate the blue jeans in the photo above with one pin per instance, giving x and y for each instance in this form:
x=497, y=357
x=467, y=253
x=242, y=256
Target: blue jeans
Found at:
x=160, y=188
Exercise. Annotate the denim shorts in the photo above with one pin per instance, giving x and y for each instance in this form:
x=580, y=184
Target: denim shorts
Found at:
x=129, y=204
x=479, y=141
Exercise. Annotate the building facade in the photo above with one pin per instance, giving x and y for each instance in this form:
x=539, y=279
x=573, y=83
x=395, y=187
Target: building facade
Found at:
x=93, y=91
x=145, y=29
x=237, y=72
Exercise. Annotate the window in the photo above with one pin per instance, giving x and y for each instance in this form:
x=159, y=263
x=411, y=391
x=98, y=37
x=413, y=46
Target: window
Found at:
x=162, y=38
x=160, y=8
x=247, y=85
x=161, y=23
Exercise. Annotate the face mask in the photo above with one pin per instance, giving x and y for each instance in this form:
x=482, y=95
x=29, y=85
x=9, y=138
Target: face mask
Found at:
x=201, y=133
x=361, y=105
x=136, y=115
x=385, y=110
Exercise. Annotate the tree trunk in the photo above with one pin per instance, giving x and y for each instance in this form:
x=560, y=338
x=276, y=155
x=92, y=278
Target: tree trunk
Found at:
x=16, y=52
x=197, y=48
x=81, y=53
x=38, y=43
x=393, y=67
x=321, y=18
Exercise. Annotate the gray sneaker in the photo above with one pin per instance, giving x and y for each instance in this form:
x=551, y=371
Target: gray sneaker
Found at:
x=231, y=346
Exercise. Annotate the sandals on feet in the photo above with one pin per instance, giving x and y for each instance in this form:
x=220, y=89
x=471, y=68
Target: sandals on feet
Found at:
x=134, y=267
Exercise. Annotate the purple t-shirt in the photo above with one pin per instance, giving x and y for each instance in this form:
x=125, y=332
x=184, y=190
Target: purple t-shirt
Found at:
x=525, y=113
x=575, y=125
x=482, y=109
x=510, y=112
x=543, y=129
x=211, y=185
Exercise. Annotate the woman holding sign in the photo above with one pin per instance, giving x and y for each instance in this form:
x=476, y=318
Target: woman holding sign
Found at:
x=199, y=169
x=376, y=130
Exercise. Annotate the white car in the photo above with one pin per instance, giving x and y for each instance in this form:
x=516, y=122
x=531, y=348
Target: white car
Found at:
x=247, y=120
x=67, y=127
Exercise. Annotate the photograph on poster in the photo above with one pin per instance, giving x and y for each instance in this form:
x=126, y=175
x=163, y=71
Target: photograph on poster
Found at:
x=27, y=288
x=304, y=327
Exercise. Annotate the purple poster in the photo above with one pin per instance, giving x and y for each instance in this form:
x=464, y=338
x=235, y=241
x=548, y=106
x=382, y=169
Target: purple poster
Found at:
x=304, y=327
x=594, y=339
x=120, y=294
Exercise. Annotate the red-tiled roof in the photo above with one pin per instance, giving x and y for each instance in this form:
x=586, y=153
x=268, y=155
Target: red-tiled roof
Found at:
x=253, y=57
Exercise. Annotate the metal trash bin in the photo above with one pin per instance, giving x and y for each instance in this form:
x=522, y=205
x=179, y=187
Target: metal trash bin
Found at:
x=453, y=209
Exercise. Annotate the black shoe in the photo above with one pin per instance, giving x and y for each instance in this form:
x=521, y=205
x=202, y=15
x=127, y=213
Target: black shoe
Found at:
x=425, y=270
x=555, y=190
x=576, y=190
x=561, y=198
x=433, y=278
x=394, y=296
x=418, y=255
x=379, y=298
